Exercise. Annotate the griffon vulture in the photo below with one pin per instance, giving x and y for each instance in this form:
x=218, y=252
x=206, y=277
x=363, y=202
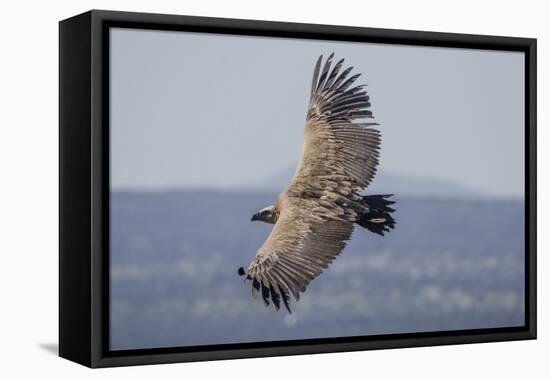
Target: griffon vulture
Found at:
x=316, y=213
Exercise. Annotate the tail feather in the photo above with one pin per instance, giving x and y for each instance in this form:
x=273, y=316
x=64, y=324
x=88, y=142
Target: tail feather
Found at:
x=378, y=217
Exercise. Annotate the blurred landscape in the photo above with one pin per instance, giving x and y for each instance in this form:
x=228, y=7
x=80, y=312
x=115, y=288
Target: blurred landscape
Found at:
x=187, y=171
x=451, y=263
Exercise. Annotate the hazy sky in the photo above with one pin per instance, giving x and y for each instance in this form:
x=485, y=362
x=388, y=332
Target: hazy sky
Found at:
x=204, y=110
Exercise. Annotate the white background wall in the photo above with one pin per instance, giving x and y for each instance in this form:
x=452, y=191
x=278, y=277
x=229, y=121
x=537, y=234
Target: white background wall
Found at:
x=28, y=198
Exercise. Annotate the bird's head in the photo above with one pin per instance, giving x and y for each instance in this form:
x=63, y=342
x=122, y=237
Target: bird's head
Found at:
x=267, y=214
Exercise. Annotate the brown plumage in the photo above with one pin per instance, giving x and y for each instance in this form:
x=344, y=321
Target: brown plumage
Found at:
x=315, y=214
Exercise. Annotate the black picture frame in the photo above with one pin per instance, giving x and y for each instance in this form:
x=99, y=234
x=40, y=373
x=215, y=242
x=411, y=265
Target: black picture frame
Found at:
x=84, y=187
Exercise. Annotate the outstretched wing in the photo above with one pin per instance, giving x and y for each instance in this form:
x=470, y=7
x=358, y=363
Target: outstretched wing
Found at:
x=303, y=242
x=340, y=145
x=338, y=160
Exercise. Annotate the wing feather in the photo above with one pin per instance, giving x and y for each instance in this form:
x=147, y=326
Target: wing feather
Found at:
x=316, y=75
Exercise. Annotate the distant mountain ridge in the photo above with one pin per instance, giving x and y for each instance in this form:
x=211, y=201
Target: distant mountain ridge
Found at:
x=409, y=186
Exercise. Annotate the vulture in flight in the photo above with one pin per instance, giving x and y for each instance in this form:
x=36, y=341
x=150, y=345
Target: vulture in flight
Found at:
x=316, y=213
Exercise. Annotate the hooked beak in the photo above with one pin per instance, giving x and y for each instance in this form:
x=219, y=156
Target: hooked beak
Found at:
x=255, y=217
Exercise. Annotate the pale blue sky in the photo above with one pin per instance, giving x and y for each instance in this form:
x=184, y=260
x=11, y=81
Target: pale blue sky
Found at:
x=192, y=110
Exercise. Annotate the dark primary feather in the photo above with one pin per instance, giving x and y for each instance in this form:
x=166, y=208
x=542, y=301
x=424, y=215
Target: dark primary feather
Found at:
x=315, y=75
x=265, y=294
